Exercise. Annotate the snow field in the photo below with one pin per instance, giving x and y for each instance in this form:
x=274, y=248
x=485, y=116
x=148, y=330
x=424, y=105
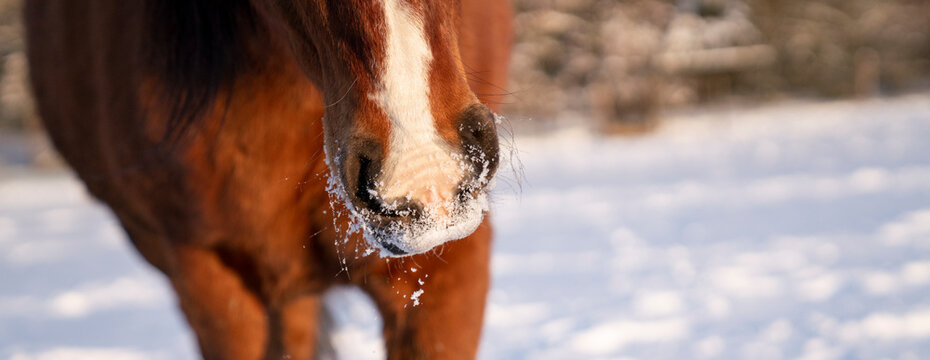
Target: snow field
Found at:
x=796, y=231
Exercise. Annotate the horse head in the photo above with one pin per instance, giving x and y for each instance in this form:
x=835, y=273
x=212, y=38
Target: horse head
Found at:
x=410, y=148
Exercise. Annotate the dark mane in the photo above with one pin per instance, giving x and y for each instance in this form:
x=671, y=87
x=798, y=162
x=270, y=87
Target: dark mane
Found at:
x=195, y=48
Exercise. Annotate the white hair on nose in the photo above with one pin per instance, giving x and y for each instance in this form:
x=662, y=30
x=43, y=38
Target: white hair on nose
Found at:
x=419, y=165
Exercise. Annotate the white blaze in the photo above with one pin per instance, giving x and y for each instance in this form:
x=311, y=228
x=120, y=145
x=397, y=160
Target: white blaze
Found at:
x=419, y=164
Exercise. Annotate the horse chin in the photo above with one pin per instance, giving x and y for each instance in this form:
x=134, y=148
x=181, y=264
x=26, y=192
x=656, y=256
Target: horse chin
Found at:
x=405, y=238
x=399, y=239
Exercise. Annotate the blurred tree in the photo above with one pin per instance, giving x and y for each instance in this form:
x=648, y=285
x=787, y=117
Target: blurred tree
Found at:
x=16, y=107
x=624, y=61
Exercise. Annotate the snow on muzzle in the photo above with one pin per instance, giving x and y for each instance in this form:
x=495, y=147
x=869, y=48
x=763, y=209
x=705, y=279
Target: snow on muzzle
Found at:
x=424, y=191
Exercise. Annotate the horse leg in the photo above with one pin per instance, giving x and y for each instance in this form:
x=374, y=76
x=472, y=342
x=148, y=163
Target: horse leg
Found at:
x=293, y=329
x=447, y=322
x=229, y=320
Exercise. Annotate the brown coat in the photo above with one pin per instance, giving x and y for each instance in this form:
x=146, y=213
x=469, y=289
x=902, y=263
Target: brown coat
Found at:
x=237, y=216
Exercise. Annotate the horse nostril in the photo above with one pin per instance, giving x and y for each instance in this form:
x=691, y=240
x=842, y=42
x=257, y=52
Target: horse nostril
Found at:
x=478, y=134
x=364, y=191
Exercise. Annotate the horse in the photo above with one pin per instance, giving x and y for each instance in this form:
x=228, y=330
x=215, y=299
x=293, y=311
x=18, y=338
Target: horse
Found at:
x=261, y=152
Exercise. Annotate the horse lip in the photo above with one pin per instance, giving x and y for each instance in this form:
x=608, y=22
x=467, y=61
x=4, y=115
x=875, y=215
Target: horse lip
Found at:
x=392, y=248
x=391, y=235
x=382, y=237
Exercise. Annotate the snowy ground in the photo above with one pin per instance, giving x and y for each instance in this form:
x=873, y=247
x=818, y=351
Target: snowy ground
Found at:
x=799, y=231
